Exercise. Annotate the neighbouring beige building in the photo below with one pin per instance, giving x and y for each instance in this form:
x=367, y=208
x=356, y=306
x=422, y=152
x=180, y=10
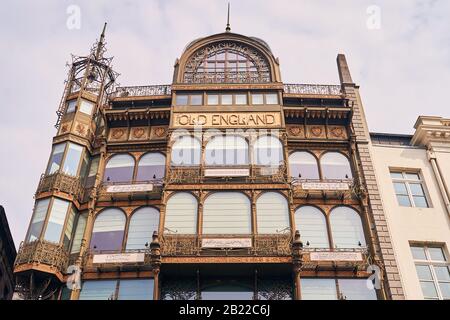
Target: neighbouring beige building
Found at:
x=413, y=172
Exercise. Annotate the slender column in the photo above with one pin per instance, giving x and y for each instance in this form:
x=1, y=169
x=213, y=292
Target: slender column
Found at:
x=437, y=173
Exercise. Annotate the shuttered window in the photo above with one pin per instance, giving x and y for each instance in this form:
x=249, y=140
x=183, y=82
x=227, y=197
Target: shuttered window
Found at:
x=272, y=213
x=181, y=214
x=312, y=225
x=346, y=228
x=142, y=225
x=108, y=230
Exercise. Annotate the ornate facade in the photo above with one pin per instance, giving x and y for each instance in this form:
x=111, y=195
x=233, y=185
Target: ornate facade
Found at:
x=225, y=184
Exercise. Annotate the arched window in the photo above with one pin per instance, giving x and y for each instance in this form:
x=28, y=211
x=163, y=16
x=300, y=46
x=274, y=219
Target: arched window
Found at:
x=186, y=151
x=272, y=213
x=226, y=150
x=227, y=213
x=108, y=230
x=151, y=166
x=303, y=165
x=335, y=166
x=346, y=228
x=143, y=223
x=312, y=225
x=181, y=214
x=268, y=151
x=119, y=168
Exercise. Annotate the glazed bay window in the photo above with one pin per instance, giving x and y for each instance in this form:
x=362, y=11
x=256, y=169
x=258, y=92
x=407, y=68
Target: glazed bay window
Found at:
x=86, y=107
x=433, y=271
x=409, y=189
x=71, y=106
x=79, y=233
x=68, y=156
x=38, y=220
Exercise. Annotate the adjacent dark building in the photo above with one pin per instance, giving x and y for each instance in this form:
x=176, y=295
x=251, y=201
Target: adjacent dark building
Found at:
x=7, y=257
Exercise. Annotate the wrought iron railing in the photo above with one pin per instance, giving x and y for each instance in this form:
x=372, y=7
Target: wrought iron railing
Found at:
x=315, y=89
x=265, y=245
x=43, y=252
x=329, y=188
x=141, y=91
x=238, y=173
x=60, y=181
x=228, y=77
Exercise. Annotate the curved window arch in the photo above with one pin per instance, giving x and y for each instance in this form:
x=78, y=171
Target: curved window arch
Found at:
x=272, y=213
x=268, y=151
x=119, y=168
x=143, y=223
x=303, y=165
x=312, y=225
x=227, y=213
x=151, y=166
x=108, y=231
x=186, y=151
x=181, y=214
x=226, y=150
x=346, y=228
x=335, y=166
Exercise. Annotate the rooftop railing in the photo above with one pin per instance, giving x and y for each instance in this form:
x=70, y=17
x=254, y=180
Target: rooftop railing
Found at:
x=313, y=89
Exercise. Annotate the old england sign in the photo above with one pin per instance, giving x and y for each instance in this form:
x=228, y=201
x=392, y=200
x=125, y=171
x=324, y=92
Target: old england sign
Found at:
x=237, y=119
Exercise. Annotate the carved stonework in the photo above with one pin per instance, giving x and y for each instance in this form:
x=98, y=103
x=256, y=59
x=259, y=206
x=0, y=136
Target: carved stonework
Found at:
x=139, y=133
x=296, y=131
x=80, y=129
x=316, y=132
x=118, y=134
x=158, y=133
x=64, y=127
x=337, y=132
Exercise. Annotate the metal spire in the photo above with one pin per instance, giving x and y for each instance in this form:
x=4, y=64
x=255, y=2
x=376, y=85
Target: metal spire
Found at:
x=101, y=43
x=228, y=28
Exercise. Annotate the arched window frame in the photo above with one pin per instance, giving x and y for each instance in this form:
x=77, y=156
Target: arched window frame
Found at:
x=124, y=229
x=360, y=226
x=225, y=137
x=169, y=231
x=325, y=224
x=281, y=229
x=112, y=156
x=138, y=162
x=155, y=212
x=322, y=173
x=200, y=153
x=317, y=163
x=255, y=148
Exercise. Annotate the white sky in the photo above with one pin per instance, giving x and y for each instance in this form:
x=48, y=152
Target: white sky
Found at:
x=403, y=68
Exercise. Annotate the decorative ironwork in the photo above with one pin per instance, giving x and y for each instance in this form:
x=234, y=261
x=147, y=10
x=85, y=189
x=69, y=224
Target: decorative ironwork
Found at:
x=315, y=89
x=43, y=252
x=60, y=181
x=142, y=91
x=326, y=188
x=307, y=264
x=178, y=289
x=191, y=245
x=197, y=72
x=275, y=289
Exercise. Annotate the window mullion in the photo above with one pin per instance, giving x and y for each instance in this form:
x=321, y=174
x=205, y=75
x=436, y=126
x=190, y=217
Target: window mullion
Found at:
x=411, y=198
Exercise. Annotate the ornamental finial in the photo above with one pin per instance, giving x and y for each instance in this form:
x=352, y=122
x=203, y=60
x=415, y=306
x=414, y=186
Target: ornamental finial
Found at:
x=228, y=28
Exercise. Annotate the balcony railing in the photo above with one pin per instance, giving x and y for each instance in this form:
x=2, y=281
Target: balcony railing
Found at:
x=221, y=174
x=226, y=245
x=135, y=190
x=332, y=258
x=60, y=181
x=326, y=188
x=313, y=89
x=43, y=252
x=141, y=91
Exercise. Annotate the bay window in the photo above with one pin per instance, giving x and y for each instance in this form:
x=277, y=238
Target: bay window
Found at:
x=38, y=220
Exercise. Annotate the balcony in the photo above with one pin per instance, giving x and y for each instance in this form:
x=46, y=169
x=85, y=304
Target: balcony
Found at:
x=42, y=255
x=61, y=182
x=271, y=245
x=312, y=89
x=125, y=260
x=136, y=190
x=355, y=259
x=325, y=189
x=141, y=91
x=221, y=174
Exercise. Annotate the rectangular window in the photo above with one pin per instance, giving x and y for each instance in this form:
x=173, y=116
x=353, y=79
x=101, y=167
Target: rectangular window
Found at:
x=213, y=99
x=72, y=159
x=93, y=168
x=79, y=232
x=227, y=99
x=71, y=106
x=196, y=100
x=56, y=220
x=86, y=107
x=271, y=98
x=56, y=158
x=69, y=228
x=257, y=98
x=433, y=271
x=334, y=289
x=37, y=222
x=182, y=100
x=318, y=289
x=409, y=189
x=241, y=99
x=135, y=289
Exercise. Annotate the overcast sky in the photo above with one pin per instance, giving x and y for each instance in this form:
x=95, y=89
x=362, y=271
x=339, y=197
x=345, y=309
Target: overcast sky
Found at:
x=401, y=61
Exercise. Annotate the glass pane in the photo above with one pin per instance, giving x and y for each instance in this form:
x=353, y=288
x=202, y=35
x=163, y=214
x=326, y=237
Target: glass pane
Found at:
x=424, y=272
x=108, y=230
x=420, y=202
x=311, y=224
x=418, y=253
x=346, y=228
x=182, y=100
x=436, y=254
x=142, y=225
x=86, y=107
x=73, y=158
x=93, y=168
x=412, y=176
x=227, y=99
x=318, y=289
x=335, y=166
x=181, y=214
x=257, y=98
x=268, y=151
x=196, y=100
x=56, y=158
x=272, y=213
x=404, y=201
x=442, y=273
x=396, y=175
x=227, y=213
x=56, y=221
x=303, y=165
x=37, y=222
x=357, y=289
x=445, y=290
x=79, y=232
x=213, y=99
x=119, y=168
x=271, y=98
x=229, y=290
x=416, y=189
x=98, y=290
x=151, y=166
x=141, y=289
x=69, y=227
x=241, y=99
x=71, y=106
x=84, y=166
x=400, y=188
x=186, y=151
x=226, y=150
x=428, y=289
